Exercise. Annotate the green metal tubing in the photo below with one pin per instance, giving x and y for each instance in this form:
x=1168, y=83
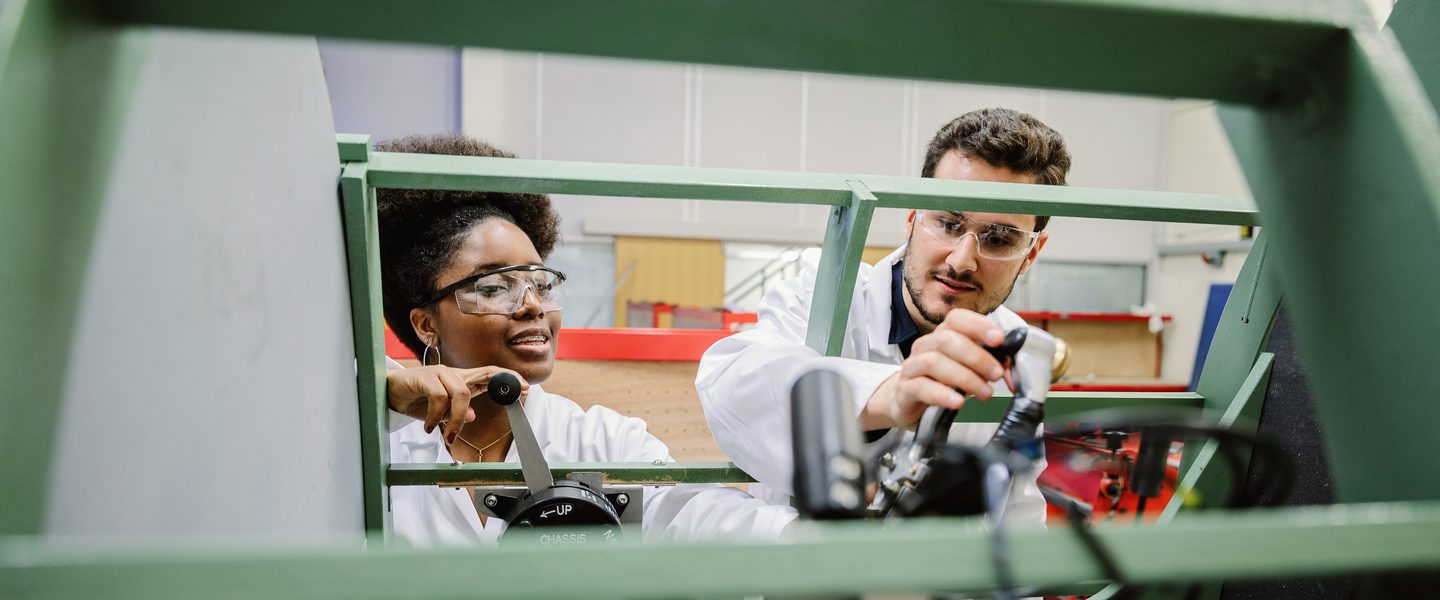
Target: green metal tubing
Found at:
x=1224, y=49
x=844, y=558
x=353, y=147
x=392, y=170
x=65, y=83
x=839, y=265
x=440, y=172
x=1060, y=406
x=615, y=473
x=1066, y=201
x=1415, y=23
x=1240, y=337
x=362, y=253
x=1213, y=480
x=1352, y=158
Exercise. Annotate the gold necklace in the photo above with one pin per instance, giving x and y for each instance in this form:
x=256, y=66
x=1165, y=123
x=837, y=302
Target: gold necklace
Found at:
x=480, y=450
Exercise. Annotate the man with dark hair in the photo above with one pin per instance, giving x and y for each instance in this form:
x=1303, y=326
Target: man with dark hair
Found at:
x=918, y=320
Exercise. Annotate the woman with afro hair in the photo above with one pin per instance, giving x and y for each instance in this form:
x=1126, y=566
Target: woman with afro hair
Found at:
x=466, y=288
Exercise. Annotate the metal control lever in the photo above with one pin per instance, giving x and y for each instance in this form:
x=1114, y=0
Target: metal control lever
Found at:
x=1031, y=353
x=504, y=390
x=579, y=510
x=927, y=476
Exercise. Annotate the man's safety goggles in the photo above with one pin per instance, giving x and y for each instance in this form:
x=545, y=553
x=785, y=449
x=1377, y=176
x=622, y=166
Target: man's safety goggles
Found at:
x=503, y=291
x=992, y=240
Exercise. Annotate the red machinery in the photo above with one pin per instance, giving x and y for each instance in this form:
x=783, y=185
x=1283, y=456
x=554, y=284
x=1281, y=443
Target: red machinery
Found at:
x=1095, y=470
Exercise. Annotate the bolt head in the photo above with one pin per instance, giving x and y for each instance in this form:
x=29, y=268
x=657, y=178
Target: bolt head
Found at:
x=491, y=500
x=622, y=499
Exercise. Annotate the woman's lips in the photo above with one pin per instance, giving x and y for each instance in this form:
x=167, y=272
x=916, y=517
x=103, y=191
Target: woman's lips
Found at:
x=531, y=345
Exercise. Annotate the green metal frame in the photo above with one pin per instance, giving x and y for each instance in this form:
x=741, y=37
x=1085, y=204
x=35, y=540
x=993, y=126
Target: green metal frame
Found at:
x=829, y=559
x=853, y=199
x=362, y=252
x=65, y=82
x=1332, y=122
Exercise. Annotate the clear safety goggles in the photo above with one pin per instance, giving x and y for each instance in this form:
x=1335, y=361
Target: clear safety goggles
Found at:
x=992, y=240
x=504, y=291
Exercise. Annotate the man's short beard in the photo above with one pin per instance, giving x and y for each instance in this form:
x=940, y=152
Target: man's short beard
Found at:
x=912, y=278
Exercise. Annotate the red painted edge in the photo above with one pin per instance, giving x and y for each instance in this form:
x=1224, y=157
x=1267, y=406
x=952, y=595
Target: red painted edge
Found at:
x=394, y=349
x=1075, y=316
x=1121, y=387
x=1028, y=316
x=637, y=344
x=611, y=344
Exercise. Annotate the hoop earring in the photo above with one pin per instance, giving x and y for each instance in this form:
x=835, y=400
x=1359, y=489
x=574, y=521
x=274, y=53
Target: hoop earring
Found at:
x=425, y=358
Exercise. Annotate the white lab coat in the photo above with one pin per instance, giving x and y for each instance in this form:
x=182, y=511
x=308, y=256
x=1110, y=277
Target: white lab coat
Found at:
x=745, y=379
x=444, y=516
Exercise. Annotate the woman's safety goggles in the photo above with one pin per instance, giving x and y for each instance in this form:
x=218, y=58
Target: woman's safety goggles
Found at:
x=504, y=291
x=992, y=240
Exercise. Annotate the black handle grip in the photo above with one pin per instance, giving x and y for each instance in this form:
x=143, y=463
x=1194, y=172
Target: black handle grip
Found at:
x=504, y=389
x=1010, y=346
x=829, y=465
x=1148, y=474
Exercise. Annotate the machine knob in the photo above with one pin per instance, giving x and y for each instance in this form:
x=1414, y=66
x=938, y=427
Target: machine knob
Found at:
x=504, y=389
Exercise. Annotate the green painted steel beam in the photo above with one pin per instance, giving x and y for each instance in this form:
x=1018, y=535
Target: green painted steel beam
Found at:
x=353, y=146
x=1357, y=159
x=393, y=170
x=615, y=473
x=1060, y=406
x=1226, y=49
x=65, y=83
x=837, y=558
x=1416, y=23
x=418, y=171
x=1099, y=203
x=1240, y=338
x=841, y=250
x=1205, y=476
x=362, y=257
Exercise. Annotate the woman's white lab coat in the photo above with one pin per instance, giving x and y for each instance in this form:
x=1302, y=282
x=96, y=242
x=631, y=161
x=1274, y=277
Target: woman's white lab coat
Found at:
x=439, y=516
x=745, y=379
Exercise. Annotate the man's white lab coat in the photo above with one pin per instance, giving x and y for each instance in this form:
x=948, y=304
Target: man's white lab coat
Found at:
x=745, y=379
x=441, y=516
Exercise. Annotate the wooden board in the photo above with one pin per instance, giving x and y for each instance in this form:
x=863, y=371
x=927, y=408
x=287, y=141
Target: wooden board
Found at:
x=675, y=271
x=661, y=393
x=1109, y=348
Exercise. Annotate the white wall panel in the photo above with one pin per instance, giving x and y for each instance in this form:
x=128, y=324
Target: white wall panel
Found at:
x=498, y=92
x=939, y=103
x=613, y=111
x=747, y=119
x=1115, y=141
x=633, y=111
x=1200, y=161
x=1099, y=240
x=856, y=125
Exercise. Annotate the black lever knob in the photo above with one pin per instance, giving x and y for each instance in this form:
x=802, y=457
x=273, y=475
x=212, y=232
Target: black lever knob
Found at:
x=1010, y=346
x=504, y=389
